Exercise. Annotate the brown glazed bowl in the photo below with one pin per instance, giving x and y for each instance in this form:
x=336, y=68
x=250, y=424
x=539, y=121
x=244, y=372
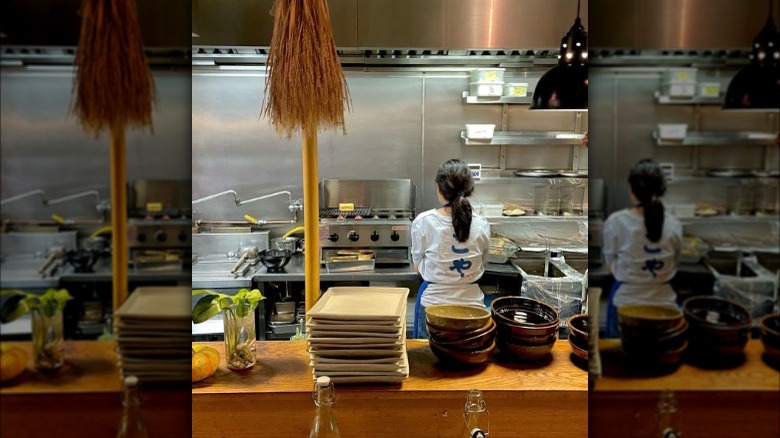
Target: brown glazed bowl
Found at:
x=652, y=342
x=716, y=314
x=458, y=358
x=524, y=317
x=457, y=317
x=770, y=331
x=443, y=335
x=524, y=352
x=477, y=342
x=515, y=335
x=578, y=350
x=648, y=317
x=579, y=326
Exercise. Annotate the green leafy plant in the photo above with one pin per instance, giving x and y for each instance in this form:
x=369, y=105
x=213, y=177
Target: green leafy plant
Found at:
x=214, y=302
x=22, y=302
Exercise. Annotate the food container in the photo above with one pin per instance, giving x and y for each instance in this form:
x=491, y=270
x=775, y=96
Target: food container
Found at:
x=709, y=89
x=516, y=89
x=488, y=75
x=480, y=131
x=486, y=89
x=679, y=88
x=679, y=75
x=683, y=210
x=492, y=209
x=672, y=131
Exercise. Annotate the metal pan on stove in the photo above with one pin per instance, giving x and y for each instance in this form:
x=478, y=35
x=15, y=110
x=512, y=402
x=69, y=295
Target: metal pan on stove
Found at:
x=536, y=173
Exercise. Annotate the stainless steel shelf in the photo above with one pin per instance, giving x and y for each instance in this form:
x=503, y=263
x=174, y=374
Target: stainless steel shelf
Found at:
x=718, y=138
x=512, y=100
x=668, y=100
x=527, y=138
x=727, y=218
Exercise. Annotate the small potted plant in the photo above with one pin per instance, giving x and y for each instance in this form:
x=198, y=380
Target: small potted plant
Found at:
x=238, y=314
x=46, y=310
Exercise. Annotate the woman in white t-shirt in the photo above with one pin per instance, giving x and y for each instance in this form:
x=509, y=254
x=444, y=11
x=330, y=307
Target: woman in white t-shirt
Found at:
x=449, y=246
x=642, y=246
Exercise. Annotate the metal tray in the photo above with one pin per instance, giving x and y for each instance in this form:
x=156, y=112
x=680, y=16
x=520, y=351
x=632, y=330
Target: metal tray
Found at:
x=536, y=173
x=350, y=266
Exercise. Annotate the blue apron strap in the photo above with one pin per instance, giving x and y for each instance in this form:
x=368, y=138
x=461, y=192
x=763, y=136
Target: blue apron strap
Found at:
x=611, y=311
x=417, y=301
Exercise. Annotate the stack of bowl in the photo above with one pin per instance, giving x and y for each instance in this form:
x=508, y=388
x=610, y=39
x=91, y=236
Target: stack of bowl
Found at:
x=579, y=333
x=527, y=328
x=460, y=335
x=653, y=337
x=770, y=335
x=719, y=327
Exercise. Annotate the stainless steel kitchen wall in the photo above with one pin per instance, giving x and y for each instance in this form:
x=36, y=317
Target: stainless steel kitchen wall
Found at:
x=44, y=148
x=403, y=124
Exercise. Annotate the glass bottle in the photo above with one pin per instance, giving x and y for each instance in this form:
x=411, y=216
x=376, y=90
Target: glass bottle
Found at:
x=46, y=340
x=324, y=396
x=132, y=425
x=667, y=415
x=239, y=339
x=476, y=415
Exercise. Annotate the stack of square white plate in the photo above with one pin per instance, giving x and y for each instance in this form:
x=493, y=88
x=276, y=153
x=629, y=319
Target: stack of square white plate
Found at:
x=153, y=334
x=358, y=335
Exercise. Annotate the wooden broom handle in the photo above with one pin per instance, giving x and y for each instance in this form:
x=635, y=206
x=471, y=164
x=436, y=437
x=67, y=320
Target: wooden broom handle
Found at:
x=311, y=218
x=118, y=217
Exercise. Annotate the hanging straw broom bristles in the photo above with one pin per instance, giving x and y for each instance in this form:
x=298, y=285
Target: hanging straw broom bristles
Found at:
x=305, y=88
x=113, y=83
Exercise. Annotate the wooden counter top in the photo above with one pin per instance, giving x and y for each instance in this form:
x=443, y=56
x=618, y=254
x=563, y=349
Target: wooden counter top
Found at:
x=751, y=375
x=740, y=401
x=546, y=399
x=83, y=398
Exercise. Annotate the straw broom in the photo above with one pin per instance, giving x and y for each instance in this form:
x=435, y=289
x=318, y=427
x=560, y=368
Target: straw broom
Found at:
x=113, y=90
x=305, y=90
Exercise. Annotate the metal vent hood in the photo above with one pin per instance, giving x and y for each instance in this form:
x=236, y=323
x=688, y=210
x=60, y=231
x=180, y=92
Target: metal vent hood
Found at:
x=47, y=32
x=515, y=33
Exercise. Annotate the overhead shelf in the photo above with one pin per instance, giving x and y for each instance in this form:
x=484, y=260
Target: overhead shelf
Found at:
x=512, y=100
x=718, y=138
x=526, y=138
x=696, y=100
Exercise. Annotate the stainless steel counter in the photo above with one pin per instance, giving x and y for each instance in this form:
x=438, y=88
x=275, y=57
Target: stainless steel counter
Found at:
x=294, y=272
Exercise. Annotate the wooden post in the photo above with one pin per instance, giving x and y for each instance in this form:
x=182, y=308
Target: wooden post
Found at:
x=311, y=207
x=118, y=216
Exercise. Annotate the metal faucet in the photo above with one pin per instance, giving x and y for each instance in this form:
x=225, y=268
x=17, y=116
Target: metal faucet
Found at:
x=294, y=205
x=25, y=195
x=233, y=192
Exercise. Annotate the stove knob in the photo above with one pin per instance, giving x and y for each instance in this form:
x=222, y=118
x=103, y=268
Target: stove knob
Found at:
x=182, y=236
x=353, y=236
x=161, y=236
x=395, y=236
x=333, y=237
x=141, y=237
x=374, y=236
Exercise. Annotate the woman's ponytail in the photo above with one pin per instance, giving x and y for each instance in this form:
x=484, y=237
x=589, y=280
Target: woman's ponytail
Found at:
x=648, y=185
x=461, y=217
x=455, y=185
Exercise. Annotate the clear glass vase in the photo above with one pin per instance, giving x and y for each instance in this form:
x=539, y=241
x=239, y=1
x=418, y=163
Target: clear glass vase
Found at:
x=47, y=340
x=239, y=339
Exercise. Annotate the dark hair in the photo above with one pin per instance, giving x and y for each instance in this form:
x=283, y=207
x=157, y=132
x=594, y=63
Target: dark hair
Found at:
x=455, y=184
x=648, y=185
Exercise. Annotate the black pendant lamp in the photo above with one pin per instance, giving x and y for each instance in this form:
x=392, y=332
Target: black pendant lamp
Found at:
x=757, y=86
x=565, y=86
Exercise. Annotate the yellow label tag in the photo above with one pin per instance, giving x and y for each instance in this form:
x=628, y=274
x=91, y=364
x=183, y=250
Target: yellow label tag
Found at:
x=490, y=75
x=711, y=90
x=154, y=206
x=519, y=90
x=681, y=75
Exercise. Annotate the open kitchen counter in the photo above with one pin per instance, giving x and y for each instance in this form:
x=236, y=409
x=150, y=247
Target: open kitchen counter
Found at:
x=546, y=399
x=84, y=398
x=713, y=402
x=294, y=271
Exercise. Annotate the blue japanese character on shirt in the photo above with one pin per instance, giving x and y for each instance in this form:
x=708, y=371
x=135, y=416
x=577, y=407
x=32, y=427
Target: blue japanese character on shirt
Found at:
x=460, y=265
x=652, y=265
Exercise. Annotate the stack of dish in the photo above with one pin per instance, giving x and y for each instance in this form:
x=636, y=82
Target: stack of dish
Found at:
x=770, y=335
x=653, y=337
x=719, y=327
x=527, y=328
x=153, y=332
x=358, y=335
x=579, y=333
x=460, y=335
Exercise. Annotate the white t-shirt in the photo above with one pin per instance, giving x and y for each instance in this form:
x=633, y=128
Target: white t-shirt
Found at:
x=451, y=267
x=643, y=267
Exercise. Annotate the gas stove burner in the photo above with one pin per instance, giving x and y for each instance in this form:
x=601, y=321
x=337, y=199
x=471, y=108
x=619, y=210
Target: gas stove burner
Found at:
x=335, y=213
x=392, y=214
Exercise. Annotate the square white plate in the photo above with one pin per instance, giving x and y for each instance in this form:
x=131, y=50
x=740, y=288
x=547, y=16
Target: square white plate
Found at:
x=361, y=304
x=166, y=303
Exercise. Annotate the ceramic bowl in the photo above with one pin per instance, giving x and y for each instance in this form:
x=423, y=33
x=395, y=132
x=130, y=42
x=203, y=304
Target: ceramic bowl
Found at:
x=525, y=317
x=579, y=326
x=522, y=336
x=524, y=352
x=477, y=342
x=770, y=329
x=457, y=317
x=450, y=335
x=458, y=358
x=648, y=317
x=274, y=259
x=578, y=350
x=716, y=314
